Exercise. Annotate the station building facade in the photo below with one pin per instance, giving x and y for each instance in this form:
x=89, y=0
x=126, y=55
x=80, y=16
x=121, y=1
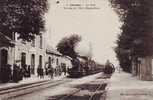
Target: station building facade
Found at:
x=35, y=53
x=30, y=53
x=21, y=52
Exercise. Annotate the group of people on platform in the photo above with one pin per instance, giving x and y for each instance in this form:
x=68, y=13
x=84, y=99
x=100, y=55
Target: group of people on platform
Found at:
x=51, y=71
x=15, y=73
x=18, y=72
x=21, y=72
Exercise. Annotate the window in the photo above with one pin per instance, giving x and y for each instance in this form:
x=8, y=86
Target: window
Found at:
x=57, y=61
x=49, y=60
x=40, y=60
x=4, y=57
x=23, y=59
x=33, y=43
x=40, y=46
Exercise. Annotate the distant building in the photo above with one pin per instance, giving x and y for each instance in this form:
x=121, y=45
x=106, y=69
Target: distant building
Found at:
x=67, y=61
x=55, y=58
x=52, y=56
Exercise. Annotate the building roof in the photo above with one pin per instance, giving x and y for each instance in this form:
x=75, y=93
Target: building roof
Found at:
x=51, y=50
x=5, y=39
x=83, y=57
x=67, y=57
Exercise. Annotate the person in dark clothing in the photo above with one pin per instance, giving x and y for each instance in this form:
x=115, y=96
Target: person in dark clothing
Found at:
x=16, y=73
x=25, y=71
x=41, y=73
x=60, y=71
x=50, y=71
x=46, y=69
x=29, y=71
x=38, y=71
x=21, y=73
x=64, y=69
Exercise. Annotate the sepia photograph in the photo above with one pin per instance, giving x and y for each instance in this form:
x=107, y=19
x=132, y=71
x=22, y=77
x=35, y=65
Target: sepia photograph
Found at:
x=76, y=49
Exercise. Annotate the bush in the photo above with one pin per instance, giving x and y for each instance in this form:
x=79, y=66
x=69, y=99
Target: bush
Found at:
x=6, y=73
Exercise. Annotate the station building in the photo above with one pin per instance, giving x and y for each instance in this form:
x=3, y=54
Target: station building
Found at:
x=16, y=51
x=35, y=53
x=56, y=59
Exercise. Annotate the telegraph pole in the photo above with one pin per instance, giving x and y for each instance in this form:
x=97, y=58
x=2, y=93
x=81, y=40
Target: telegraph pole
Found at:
x=90, y=50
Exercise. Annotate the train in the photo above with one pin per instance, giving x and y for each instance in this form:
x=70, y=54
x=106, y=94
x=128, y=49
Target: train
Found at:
x=82, y=66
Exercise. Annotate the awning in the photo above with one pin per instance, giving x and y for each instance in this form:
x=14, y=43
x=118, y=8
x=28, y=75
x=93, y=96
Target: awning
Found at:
x=51, y=50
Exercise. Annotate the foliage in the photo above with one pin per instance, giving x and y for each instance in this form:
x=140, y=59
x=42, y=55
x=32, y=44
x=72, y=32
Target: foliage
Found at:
x=24, y=17
x=123, y=57
x=67, y=45
x=136, y=37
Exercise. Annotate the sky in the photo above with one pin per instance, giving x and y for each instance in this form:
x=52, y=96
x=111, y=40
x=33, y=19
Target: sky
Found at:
x=98, y=26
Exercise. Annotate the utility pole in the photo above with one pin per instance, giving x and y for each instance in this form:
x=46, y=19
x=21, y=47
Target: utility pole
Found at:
x=90, y=55
x=90, y=50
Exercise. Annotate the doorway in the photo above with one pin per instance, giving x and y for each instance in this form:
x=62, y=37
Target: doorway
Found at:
x=32, y=64
x=4, y=58
x=23, y=59
x=40, y=61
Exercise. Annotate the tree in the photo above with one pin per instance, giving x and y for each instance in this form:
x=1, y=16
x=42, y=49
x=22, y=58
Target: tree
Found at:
x=137, y=29
x=24, y=17
x=67, y=45
x=124, y=59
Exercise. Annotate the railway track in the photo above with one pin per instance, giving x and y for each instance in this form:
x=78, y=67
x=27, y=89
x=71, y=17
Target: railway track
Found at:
x=24, y=90
x=90, y=88
x=96, y=93
x=86, y=91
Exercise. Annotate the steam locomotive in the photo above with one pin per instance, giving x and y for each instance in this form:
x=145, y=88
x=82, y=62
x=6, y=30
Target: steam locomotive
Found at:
x=82, y=67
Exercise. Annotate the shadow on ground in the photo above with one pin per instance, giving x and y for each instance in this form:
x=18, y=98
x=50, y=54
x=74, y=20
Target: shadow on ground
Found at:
x=91, y=87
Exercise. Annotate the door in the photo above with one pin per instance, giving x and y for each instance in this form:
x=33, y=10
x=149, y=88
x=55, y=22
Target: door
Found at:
x=40, y=61
x=4, y=57
x=23, y=59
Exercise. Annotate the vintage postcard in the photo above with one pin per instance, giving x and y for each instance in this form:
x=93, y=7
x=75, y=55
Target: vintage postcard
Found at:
x=76, y=50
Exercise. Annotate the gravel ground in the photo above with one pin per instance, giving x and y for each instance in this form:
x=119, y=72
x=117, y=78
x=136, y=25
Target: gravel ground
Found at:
x=87, y=88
